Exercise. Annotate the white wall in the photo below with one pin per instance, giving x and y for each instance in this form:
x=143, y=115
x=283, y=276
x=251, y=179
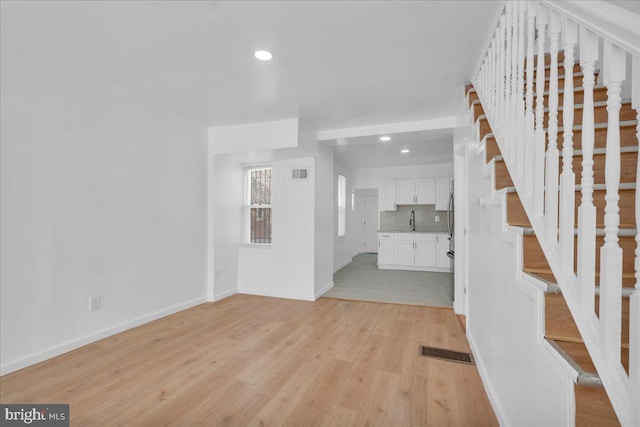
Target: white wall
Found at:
x=342, y=247
x=325, y=231
x=298, y=263
x=286, y=268
x=103, y=193
x=227, y=194
x=526, y=385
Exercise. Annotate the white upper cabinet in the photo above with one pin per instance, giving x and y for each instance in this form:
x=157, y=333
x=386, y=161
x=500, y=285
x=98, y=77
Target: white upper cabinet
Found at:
x=425, y=191
x=416, y=192
x=406, y=192
x=443, y=186
x=390, y=200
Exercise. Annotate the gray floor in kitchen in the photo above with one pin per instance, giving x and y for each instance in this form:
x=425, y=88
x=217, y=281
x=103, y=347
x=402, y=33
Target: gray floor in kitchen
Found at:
x=362, y=280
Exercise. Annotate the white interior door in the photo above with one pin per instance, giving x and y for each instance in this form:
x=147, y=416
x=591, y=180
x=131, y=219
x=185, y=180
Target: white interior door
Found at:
x=370, y=224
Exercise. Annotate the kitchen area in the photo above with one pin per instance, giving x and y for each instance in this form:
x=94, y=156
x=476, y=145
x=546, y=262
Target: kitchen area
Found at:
x=413, y=260
x=416, y=229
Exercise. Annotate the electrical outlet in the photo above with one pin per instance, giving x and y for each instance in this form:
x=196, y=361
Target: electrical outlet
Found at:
x=95, y=303
x=218, y=274
x=437, y=218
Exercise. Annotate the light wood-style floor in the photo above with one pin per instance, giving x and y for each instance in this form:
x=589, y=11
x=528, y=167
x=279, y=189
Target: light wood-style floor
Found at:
x=250, y=360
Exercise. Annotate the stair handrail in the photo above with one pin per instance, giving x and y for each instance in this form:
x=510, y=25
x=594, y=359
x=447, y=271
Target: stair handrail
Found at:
x=607, y=20
x=521, y=132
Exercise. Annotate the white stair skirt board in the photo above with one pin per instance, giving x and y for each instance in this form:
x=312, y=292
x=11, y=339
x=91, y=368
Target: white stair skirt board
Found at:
x=362, y=280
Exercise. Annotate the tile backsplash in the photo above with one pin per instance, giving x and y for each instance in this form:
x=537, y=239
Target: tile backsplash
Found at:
x=425, y=219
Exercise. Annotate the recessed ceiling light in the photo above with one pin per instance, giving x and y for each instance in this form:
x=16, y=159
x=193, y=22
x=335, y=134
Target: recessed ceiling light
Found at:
x=404, y=151
x=385, y=138
x=263, y=55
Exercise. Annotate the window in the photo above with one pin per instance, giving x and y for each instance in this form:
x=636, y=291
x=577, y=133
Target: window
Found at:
x=342, y=205
x=259, y=205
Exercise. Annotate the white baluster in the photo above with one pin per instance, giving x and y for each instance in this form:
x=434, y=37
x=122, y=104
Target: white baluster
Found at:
x=538, y=196
x=494, y=78
x=514, y=86
x=506, y=118
x=587, y=211
x=519, y=96
x=551, y=199
x=501, y=76
x=611, y=253
x=634, y=303
x=529, y=112
x=568, y=177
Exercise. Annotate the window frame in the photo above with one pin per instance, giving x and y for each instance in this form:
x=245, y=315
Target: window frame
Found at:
x=248, y=206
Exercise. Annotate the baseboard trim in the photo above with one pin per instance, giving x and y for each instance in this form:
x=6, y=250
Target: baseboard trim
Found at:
x=263, y=293
x=73, y=344
x=414, y=268
x=343, y=265
x=486, y=381
x=223, y=295
x=324, y=290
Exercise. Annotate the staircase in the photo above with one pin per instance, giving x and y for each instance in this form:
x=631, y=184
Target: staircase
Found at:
x=568, y=163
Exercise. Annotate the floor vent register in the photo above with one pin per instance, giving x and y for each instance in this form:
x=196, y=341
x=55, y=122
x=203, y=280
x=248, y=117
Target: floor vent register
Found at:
x=450, y=355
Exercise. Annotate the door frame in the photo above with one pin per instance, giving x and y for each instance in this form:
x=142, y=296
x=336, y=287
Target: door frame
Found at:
x=376, y=208
x=359, y=215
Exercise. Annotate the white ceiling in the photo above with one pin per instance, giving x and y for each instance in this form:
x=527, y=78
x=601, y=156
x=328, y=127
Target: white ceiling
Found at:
x=425, y=147
x=338, y=64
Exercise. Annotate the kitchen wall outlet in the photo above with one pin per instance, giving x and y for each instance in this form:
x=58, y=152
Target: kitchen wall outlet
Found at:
x=437, y=218
x=95, y=303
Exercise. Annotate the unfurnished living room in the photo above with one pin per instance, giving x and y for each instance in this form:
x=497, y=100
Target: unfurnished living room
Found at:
x=331, y=213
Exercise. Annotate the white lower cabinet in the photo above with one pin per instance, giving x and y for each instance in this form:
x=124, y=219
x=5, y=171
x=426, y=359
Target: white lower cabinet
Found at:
x=425, y=254
x=404, y=252
x=386, y=251
x=413, y=251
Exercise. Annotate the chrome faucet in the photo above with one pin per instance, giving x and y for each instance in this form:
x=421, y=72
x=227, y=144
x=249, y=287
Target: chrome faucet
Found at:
x=412, y=221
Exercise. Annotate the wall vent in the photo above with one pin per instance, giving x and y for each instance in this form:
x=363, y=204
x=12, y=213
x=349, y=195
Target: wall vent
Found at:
x=299, y=174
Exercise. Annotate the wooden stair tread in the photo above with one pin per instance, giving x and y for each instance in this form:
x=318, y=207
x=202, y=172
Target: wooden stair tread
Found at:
x=516, y=215
x=560, y=325
x=534, y=257
x=593, y=408
x=579, y=353
x=628, y=280
x=628, y=168
x=547, y=59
